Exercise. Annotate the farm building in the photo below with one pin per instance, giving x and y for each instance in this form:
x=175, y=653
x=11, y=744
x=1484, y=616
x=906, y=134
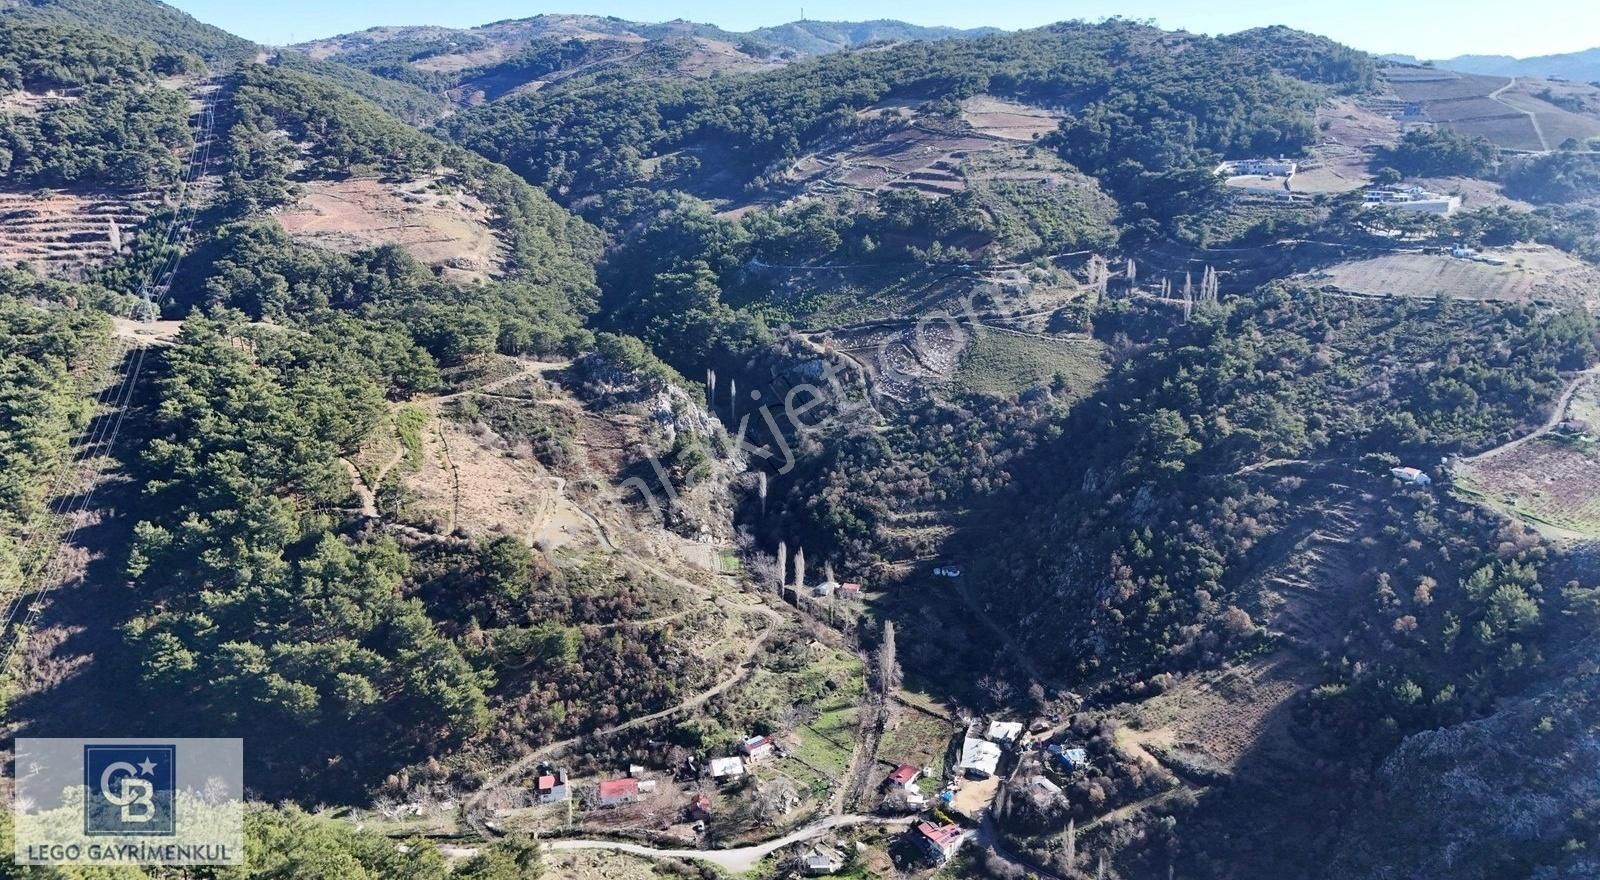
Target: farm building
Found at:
x=980, y=759
x=1262, y=167
x=940, y=842
x=821, y=859
x=615, y=792
x=1411, y=476
x=727, y=768
x=757, y=747
x=824, y=589
x=551, y=786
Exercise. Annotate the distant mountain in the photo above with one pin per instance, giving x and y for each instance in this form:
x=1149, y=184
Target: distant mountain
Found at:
x=1579, y=66
x=822, y=37
x=510, y=35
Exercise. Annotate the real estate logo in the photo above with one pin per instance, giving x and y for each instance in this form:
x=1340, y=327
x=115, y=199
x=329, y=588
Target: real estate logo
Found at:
x=128, y=801
x=130, y=790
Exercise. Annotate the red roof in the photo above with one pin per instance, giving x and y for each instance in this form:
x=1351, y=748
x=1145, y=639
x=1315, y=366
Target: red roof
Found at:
x=942, y=835
x=903, y=774
x=703, y=802
x=618, y=788
x=547, y=782
x=850, y=588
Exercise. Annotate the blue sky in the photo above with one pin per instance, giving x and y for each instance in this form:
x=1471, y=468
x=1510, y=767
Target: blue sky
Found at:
x=1427, y=28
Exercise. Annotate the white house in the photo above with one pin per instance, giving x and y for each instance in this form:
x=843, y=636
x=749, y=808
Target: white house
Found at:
x=1262, y=167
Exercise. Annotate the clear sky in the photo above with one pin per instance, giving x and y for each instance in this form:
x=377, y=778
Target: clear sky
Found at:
x=1426, y=28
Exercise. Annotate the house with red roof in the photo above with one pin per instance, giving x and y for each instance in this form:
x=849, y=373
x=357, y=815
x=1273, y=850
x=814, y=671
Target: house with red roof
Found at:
x=940, y=842
x=904, y=775
x=615, y=792
x=700, y=807
x=551, y=786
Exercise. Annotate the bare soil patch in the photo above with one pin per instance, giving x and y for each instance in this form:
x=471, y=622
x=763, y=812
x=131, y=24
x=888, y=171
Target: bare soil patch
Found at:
x=1009, y=119
x=452, y=230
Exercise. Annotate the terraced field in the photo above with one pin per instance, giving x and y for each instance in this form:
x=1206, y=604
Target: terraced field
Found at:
x=62, y=232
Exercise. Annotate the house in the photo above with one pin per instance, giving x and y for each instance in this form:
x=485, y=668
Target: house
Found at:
x=1042, y=784
x=615, y=792
x=727, y=768
x=1413, y=198
x=757, y=747
x=980, y=759
x=700, y=807
x=940, y=842
x=637, y=771
x=1258, y=167
x=1006, y=733
x=821, y=859
x=947, y=571
x=647, y=786
x=825, y=589
x=848, y=589
x=904, y=775
x=1071, y=759
x=1411, y=475
x=551, y=786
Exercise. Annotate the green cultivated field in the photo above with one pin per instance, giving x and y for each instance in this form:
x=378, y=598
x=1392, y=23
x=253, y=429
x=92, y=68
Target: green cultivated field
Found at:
x=1003, y=363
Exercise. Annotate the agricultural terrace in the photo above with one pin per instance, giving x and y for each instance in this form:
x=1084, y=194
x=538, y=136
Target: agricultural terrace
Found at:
x=1533, y=273
x=1552, y=481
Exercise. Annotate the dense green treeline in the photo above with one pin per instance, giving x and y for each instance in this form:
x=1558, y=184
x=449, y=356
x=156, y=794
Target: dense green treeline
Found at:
x=39, y=57
x=109, y=136
x=156, y=23
x=48, y=355
x=115, y=129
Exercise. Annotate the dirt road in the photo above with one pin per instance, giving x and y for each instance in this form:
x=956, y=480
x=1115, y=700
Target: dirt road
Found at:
x=735, y=860
x=1556, y=415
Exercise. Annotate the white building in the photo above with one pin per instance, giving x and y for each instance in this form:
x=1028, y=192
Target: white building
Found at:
x=1005, y=733
x=980, y=758
x=727, y=768
x=1411, y=476
x=1413, y=198
x=1261, y=167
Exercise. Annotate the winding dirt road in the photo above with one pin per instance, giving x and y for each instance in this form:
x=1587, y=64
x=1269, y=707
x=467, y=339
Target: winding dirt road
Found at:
x=736, y=860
